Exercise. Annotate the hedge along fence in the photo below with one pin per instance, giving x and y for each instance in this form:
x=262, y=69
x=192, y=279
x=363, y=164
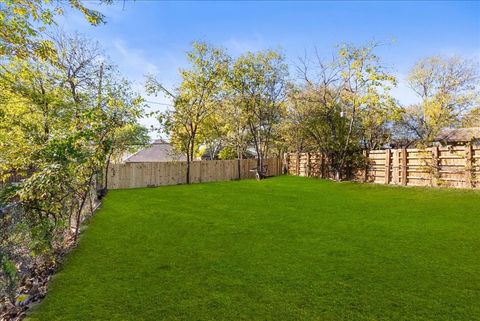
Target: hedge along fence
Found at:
x=457, y=166
x=133, y=175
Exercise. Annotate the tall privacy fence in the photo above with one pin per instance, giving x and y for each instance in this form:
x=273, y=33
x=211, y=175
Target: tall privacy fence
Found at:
x=457, y=166
x=132, y=175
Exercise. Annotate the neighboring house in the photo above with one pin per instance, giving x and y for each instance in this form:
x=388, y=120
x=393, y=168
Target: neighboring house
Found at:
x=158, y=151
x=458, y=136
x=210, y=153
x=118, y=159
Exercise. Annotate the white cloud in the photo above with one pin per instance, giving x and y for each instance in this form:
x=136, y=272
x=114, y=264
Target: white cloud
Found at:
x=237, y=46
x=133, y=61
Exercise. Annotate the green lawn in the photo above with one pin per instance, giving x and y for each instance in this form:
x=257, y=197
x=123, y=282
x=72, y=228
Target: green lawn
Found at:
x=286, y=248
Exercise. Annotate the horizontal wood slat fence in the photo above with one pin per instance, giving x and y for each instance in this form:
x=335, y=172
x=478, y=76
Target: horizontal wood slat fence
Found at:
x=133, y=175
x=457, y=166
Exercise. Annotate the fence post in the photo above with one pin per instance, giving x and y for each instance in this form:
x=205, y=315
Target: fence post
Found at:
x=297, y=164
x=307, y=169
x=404, y=166
x=435, y=167
x=320, y=165
x=468, y=166
x=365, y=173
x=395, y=167
x=279, y=166
x=388, y=155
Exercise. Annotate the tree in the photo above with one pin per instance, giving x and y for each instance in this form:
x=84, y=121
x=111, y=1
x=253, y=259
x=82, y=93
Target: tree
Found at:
x=126, y=139
x=294, y=135
x=60, y=120
x=195, y=99
x=230, y=129
x=472, y=118
x=257, y=83
x=22, y=23
x=448, y=89
x=342, y=103
x=377, y=123
x=63, y=111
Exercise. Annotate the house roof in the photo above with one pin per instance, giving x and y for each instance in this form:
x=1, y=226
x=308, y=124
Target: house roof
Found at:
x=158, y=151
x=458, y=135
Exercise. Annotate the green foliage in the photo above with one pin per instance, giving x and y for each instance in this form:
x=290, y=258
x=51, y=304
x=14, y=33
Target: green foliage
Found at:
x=449, y=91
x=61, y=121
x=7, y=192
x=472, y=118
x=228, y=153
x=224, y=102
x=63, y=112
x=257, y=85
x=128, y=139
x=195, y=99
x=8, y=276
x=22, y=23
x=342, y=107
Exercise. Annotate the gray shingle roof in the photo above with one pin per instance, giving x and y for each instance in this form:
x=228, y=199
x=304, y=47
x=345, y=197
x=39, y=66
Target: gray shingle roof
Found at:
x=158, y=151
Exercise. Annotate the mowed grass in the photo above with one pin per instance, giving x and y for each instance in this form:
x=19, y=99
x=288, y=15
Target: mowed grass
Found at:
x=286, y=248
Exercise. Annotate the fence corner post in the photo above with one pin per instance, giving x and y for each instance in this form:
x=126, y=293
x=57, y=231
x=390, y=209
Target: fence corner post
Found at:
x=468, y=166
x=365, y=173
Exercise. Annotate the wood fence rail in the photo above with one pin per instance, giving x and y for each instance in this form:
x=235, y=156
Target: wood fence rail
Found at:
x=133, y=175
x=457, y=166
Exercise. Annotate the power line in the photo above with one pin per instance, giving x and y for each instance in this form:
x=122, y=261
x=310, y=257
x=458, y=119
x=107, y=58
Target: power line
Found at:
x=157, y=103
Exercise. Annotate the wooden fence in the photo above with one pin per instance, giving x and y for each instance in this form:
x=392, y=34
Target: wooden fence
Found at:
x=457, y=166
x=133, y=175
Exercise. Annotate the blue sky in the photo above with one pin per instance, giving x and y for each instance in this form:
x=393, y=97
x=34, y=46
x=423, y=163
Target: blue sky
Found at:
x=152, y=36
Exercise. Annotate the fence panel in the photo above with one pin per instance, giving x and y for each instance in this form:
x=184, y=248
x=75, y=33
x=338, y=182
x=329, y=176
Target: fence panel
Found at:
x=134, y=175
x=457, y=166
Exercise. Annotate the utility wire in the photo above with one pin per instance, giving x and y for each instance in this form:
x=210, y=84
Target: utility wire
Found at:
x=157, y=103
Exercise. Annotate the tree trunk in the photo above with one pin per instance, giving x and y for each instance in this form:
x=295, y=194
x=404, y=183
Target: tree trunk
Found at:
x=239, y=164
x=345, y=148
x=82, y=204
x=260, y=175
x=90, y=198
x=105, y=185
x=79, y=215
x=189, y=159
